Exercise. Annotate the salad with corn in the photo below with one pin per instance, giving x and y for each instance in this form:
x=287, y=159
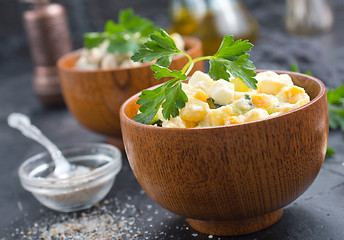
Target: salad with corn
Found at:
x=216, y=103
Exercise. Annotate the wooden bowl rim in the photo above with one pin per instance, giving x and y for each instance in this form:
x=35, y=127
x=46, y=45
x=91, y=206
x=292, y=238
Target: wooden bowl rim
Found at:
x=195, y=42
x=313, y=101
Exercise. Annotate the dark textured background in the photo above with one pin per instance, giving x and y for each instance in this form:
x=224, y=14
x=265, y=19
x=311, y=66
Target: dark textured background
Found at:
x=311, y=53
x=316, y=215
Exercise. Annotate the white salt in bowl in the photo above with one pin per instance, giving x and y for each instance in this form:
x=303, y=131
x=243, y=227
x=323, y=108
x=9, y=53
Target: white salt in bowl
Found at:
x=77, y=192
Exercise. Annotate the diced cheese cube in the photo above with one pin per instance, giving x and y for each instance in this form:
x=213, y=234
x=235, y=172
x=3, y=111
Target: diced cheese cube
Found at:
x=262, y=100
x=286, y=107
x=194, y=110
x=299, y=96
x=266, y=74
x=186, y=86
x=271, y=86
x=222, y=92
x=176, y=122
x=303, y=101
x=218, y=116
x=285, y=78
x=292, y=95
x=201, y=80
x=199, y=76
x=256, y=114
x=271, y=83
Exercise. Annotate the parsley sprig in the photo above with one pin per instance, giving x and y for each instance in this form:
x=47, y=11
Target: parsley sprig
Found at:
x=126, y=36
x=230, y=59
x=335, y=99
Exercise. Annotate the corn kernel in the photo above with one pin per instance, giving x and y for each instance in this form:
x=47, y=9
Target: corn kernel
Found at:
x=194, y=110
x=234, y=120
x=261, y=100
x=201, y=95
x=190, y=124
x=217, y=116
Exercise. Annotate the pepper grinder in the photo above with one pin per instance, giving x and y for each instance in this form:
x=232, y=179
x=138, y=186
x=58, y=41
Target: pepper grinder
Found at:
x=47, y=29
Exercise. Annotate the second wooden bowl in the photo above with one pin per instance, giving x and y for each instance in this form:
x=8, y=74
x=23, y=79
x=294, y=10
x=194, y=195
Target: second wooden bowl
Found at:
x=94, y=97
x=231, y=180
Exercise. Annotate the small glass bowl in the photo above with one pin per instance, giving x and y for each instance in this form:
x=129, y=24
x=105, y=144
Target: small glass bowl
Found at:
x=78, y=192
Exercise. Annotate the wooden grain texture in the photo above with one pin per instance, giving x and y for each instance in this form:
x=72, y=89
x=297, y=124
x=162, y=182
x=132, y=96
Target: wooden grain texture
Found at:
x=231, y=173
x=94, y=97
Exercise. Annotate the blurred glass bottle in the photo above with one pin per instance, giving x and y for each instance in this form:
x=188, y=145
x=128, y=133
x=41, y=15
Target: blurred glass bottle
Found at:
x=306, y=17
x=211, y=20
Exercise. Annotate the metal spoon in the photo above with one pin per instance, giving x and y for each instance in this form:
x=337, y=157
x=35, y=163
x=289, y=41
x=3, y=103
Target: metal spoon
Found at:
x=63, y=169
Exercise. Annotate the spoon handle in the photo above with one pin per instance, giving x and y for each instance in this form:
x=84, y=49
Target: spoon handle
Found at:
x=23, y=124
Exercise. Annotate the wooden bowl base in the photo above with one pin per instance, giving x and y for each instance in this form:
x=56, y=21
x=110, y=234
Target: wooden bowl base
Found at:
x=237, y=227
x=117, y=142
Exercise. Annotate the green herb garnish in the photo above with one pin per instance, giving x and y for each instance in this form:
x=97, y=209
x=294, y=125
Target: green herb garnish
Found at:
x=335, y=99
x=212, y=104
x=230, y=59
x=126, y=36
x=295, y=68
x=330, y=152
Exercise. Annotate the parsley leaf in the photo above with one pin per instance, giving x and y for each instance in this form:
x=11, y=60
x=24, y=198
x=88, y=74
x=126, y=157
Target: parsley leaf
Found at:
x=171, y=92
x=330, y=152
x=92, y=39
x=335, y=99
x=175, y=99
x=336, y=96
x=126, y=36
x=161, y=72
x=162, y=47
x=232, y=58
x=151, y=101
x=294, y=67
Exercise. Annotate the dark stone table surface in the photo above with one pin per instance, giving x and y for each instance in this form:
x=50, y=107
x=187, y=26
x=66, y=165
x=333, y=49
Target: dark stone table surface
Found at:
x=317, y=214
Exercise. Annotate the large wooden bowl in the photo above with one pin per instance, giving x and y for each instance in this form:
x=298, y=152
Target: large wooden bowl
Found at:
x=231, y=180
x=94, y=97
